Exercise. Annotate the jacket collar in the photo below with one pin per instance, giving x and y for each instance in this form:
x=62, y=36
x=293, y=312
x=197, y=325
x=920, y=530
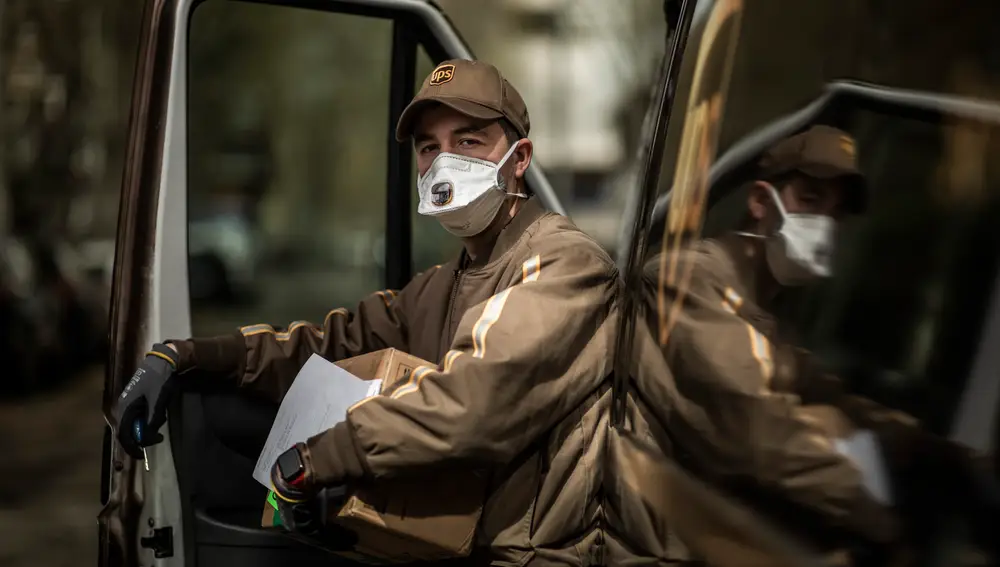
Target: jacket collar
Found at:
x=747, y=257
x=530, y=212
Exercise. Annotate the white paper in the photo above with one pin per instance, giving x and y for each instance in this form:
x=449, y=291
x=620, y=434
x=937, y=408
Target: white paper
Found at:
x=318, y=400
x=864, y=450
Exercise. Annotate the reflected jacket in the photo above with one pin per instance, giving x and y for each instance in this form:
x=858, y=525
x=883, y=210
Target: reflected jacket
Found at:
x=523, y=343
x=742, y=407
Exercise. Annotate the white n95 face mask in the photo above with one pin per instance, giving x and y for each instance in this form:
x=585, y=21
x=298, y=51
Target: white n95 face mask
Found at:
x=464, y=194
x=802, y=249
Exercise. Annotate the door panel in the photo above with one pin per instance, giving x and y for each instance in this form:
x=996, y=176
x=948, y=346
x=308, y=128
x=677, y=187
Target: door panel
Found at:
x=264, y=185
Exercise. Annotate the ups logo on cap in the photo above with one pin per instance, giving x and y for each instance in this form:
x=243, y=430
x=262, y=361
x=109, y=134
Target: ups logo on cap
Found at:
x=442, y=74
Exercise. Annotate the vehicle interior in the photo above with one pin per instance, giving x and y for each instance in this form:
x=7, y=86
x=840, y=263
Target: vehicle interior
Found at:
x=912, y=315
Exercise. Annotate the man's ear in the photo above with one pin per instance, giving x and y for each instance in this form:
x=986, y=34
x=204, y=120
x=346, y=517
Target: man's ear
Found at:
x=759, y=200
x=522, y=157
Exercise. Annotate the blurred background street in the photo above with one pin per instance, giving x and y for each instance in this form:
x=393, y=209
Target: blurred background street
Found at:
x=51, y=475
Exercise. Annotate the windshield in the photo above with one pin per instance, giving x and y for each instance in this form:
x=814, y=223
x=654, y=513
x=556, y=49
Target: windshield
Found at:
x=894, y=108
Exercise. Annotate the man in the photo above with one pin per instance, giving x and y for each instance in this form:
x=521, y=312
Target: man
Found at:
x=520, y=324
x=749, y=407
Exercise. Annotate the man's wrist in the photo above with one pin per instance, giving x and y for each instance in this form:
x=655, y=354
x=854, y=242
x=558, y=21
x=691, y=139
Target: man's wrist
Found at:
x=163, y=352
x=223, y=356
x=336, y=457
x=291, y=475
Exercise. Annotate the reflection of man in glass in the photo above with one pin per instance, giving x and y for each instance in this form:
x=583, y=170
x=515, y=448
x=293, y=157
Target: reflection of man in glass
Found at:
x=808, y=182
x=726, y=350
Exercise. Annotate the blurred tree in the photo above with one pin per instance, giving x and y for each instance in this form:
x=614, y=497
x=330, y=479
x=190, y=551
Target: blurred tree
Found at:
x=65, y=73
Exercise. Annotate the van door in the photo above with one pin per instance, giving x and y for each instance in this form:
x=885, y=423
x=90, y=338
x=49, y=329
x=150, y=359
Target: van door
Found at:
x=263, y=184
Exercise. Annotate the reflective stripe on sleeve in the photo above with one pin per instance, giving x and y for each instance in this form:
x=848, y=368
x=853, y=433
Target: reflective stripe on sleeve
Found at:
x=760, y=347
x=530, y=271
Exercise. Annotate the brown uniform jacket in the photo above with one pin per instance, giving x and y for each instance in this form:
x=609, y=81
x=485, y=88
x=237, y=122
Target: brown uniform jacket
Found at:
x=523, y=343
x=742, y=407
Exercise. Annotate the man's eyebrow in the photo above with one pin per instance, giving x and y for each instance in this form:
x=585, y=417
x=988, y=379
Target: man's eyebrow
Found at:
x=471, y=129
x=474, y=128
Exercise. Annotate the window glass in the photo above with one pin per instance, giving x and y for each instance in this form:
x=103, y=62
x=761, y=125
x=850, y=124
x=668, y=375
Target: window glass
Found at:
x=789, y=51
x=288, y=114
x=902, y=318
x=888, y=317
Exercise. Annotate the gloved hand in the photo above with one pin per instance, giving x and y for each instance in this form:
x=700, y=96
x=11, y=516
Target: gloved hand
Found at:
x=302, y=504
x=142, y=404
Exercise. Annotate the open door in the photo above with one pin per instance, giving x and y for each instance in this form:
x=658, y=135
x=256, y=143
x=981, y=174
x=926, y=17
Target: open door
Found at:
x=263, y=184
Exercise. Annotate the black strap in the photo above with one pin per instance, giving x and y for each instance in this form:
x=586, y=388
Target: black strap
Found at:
x=655, y=133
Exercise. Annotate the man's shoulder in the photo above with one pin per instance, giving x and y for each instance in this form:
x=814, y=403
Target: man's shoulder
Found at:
x=426, y=278
x=558, y=235
x=706, y=259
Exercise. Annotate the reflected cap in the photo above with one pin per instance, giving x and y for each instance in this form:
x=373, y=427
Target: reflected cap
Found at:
x=821, y=152
x=474, y=88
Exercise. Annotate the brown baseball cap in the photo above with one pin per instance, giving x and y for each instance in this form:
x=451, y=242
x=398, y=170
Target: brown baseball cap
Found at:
x=474, y=88
x=822, y=152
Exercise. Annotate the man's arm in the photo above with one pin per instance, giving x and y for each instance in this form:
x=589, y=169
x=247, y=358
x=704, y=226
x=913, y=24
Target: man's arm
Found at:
x=816, y=386
x=732, y=425
x=520, y=362
x=266, y=360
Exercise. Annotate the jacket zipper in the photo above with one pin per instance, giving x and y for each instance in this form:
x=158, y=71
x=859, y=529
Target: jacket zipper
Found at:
x=451, y=305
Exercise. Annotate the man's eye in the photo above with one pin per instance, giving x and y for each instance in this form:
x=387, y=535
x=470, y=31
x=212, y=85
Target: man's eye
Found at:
x=426, y=149
x=468, y=142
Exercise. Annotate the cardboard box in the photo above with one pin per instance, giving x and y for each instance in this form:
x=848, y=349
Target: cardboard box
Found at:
x=412, y=519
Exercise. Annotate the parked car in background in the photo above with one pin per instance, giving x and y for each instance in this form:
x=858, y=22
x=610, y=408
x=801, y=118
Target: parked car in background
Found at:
x=53, y=313
x=223, y=257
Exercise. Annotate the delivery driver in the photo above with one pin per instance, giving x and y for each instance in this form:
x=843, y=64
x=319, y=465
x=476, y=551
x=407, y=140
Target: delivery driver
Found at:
x=732, y=359
x=520, y=325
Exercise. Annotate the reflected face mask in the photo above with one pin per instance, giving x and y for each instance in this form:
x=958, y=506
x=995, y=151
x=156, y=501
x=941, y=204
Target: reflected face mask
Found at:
x=802, y=249
x=464, y=194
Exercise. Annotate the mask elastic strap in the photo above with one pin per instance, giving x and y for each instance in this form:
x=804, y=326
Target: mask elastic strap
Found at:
x=509, y=153
x=777, y=203
x=777, y=200
x=502, y=183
